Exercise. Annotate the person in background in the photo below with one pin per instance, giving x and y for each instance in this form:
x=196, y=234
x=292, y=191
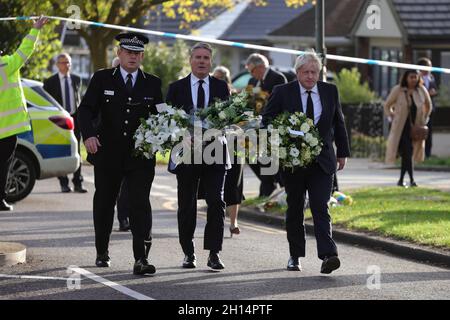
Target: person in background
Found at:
x=266, y=78
x=65, y=87
x=430, y=83
x=234, y=180
x=408, y=104
x=13, y=107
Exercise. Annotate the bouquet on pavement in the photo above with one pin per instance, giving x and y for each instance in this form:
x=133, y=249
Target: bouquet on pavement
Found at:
x=161, y=131
x=299, y=141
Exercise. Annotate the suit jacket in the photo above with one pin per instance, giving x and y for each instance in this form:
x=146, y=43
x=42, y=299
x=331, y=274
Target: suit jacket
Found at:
x=53, y=86
x=108, y=112
x=179, y=95
x=273, y=78
x=331, y=124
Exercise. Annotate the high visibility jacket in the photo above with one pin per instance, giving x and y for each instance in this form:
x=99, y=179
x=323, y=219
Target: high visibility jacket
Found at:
x=13, y=108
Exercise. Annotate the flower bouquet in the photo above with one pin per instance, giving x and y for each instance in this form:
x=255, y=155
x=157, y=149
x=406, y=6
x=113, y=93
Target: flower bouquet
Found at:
x=256, y=98
x=161, y=132
x=299, y=142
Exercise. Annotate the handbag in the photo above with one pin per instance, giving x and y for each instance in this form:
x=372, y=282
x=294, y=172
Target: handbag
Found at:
x=417, y=132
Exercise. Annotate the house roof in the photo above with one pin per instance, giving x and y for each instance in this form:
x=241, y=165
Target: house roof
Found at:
x=256, y=22
x=340, y=16
x=424, y=18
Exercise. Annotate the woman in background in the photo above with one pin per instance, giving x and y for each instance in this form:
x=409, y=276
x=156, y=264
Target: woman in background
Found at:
x=408, y=104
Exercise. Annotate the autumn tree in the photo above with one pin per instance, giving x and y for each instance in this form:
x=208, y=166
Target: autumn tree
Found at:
x=127, y=13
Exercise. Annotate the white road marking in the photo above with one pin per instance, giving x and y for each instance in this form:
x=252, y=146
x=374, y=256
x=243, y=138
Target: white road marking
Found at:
x=131, y=293
x=31, y=277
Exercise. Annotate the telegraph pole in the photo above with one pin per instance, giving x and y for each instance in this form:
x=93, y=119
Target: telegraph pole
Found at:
x=320, y=35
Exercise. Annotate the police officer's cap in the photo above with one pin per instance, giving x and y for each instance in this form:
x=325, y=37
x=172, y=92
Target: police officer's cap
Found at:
x=132, y=41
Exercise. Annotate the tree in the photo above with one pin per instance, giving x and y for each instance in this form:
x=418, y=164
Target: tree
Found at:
x=125, y=13
x=12, y=34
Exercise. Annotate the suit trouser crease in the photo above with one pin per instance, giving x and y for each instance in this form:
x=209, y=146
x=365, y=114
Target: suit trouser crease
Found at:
x=107, y=186
x=319, y=185
x=188, y=178
x=77, y=179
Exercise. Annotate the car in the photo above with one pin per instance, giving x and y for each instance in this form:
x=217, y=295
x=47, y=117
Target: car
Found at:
x=49, y=150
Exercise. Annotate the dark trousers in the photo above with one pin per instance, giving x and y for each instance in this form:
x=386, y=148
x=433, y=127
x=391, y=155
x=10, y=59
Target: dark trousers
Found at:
x=406, y=152
x=429, y=141
x=123, y=202
x=213, y=179
x=268, y=182
x=7, y=148
x=318, y=184
x=77, y=177
x=107, y=186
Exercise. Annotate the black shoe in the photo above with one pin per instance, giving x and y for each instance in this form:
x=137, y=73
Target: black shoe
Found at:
x=401, y=184
x=190, y=261
x=4, y=206
x=66, y=189
x=294, y=264
x=124, y=225
x=79, y=188
x=103, y=261
x=330, y=264
x=413, y=184
x=142, y=267
x=214, y=262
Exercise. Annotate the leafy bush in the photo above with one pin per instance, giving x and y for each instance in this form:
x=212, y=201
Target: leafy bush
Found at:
x=168, y=63
x=363, y=146
x=443, y=97
x=351, y=90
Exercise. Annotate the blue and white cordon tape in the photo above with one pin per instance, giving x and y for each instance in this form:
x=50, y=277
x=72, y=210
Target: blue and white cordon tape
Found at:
x=240, y=45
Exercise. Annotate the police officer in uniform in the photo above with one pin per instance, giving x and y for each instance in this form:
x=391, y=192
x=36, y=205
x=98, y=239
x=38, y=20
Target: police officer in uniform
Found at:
x=115, y=101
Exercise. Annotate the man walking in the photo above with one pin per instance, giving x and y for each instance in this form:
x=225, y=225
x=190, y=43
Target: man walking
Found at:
x=118, y=98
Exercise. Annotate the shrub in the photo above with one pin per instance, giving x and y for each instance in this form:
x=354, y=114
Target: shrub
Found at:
x=351, y=90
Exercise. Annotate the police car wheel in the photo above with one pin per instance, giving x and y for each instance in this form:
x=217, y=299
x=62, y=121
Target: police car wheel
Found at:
x=21, y=177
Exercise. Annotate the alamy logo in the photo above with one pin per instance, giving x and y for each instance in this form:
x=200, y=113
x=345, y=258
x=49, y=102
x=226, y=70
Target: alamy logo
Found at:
x=74, y=279
x=75, y=14
x=374, y=280
x=373, y=22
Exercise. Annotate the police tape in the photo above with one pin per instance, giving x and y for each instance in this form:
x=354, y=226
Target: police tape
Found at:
x=238, y=44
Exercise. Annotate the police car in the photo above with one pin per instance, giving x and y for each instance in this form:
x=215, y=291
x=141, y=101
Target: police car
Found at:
x=48, y=150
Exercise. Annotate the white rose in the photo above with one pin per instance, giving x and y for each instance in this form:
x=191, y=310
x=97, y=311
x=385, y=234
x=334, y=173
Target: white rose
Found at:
x=305, y=127
x=295, y=162
x=294, y=152
x=292, y=120
x=256, y=90
x=222, y=115
x=314, y=142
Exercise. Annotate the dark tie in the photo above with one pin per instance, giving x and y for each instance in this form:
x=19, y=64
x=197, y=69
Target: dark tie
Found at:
x=309, y=106
x=129, y=84
x=67, y=95
x=200, y=95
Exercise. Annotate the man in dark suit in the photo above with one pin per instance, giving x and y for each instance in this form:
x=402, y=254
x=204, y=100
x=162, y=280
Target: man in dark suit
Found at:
x=65, y=87
x=430, y=83
x=266, y=78
x=320, y=102
x=194, y=92
x=118, y=98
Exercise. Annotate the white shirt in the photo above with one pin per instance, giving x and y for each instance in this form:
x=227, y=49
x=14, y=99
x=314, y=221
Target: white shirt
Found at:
x=194, y=90
x=316, y=101
x=125, y=73
x=62, y=81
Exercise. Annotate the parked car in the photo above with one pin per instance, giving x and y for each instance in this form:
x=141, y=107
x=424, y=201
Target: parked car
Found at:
x=48, y=150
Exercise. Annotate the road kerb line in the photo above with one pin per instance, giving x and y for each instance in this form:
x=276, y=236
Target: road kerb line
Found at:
x=127, y=291
x=31, y=277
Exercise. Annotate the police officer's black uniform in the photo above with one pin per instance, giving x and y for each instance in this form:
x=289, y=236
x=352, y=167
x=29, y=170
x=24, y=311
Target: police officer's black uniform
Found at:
x=112, y=114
